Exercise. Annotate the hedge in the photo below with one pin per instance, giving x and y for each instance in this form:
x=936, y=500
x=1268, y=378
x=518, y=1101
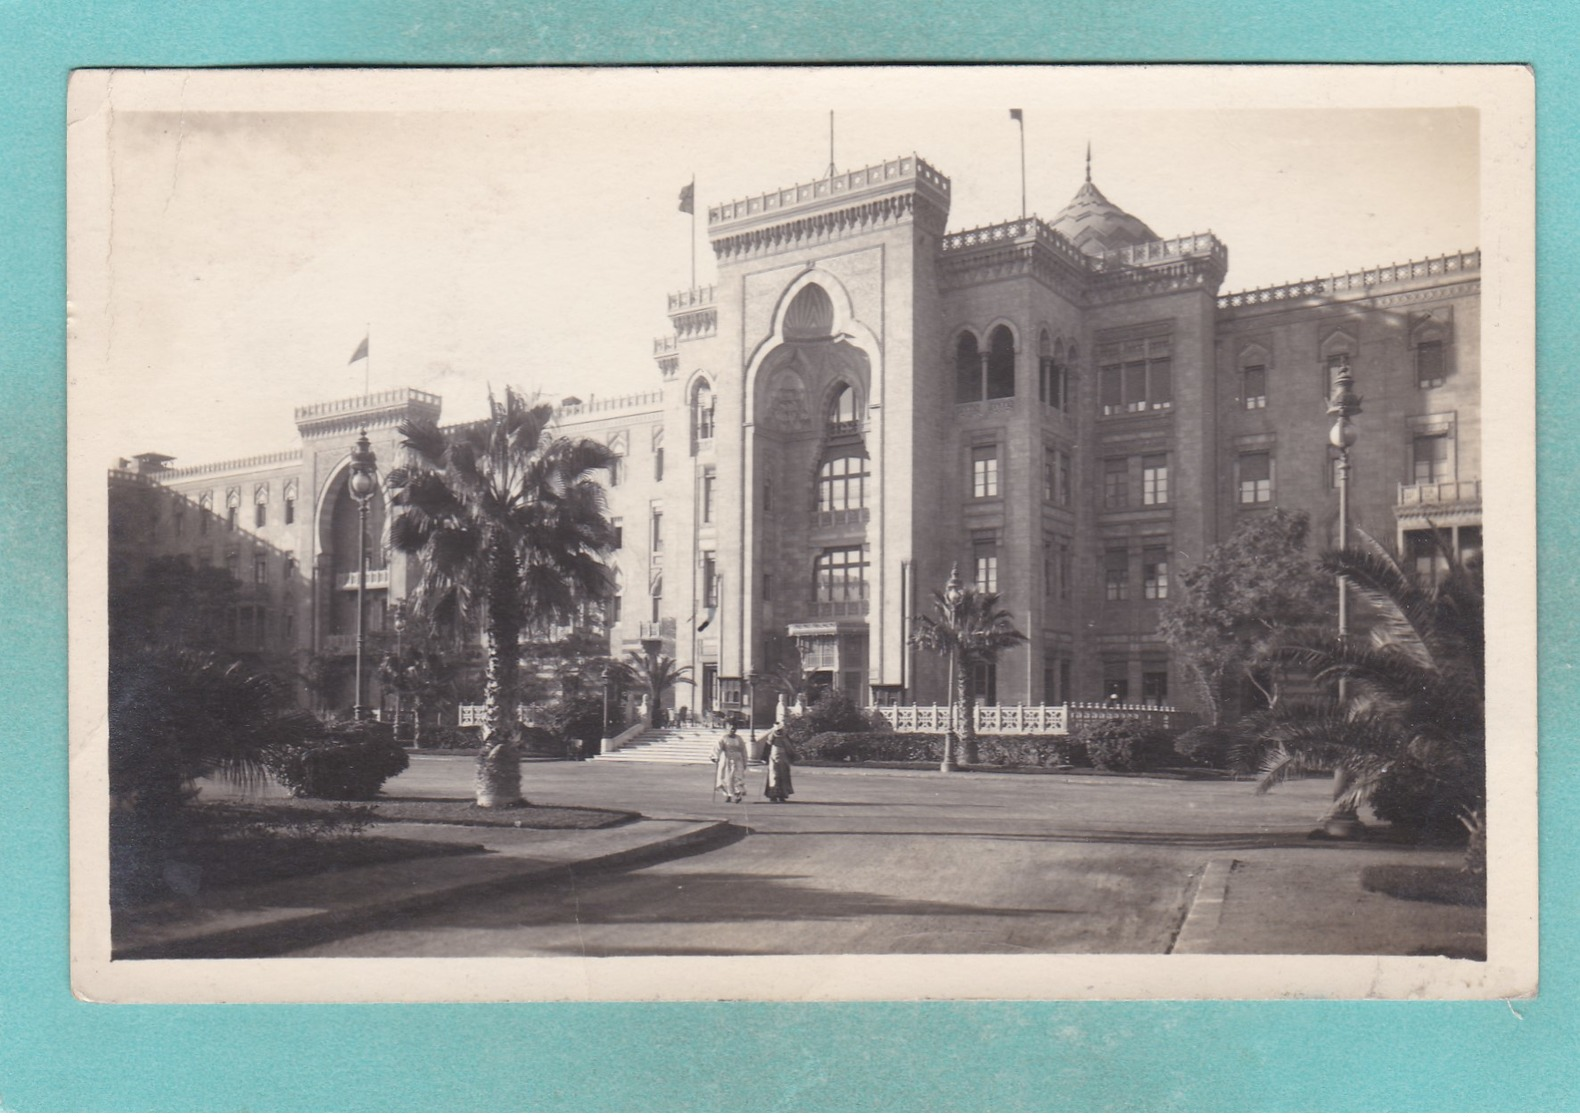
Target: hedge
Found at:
x=999, y=751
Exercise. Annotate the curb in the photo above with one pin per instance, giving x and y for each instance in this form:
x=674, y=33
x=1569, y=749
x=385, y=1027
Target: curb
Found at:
x=1206, y=909
x=291, y=931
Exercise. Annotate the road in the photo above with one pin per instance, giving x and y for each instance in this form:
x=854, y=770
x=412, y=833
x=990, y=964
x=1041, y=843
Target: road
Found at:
x=866, y=862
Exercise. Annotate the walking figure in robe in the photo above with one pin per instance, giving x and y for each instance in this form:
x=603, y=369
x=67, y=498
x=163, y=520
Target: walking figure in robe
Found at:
x=778, y=787
x=730, y=774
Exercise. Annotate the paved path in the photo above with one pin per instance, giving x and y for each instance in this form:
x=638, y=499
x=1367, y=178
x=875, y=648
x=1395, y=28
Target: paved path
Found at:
x=915, y=862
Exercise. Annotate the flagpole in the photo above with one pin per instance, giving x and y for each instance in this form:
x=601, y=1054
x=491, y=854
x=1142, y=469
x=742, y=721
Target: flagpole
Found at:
x=693, y=232
x=367, y=365
x=1022, y=123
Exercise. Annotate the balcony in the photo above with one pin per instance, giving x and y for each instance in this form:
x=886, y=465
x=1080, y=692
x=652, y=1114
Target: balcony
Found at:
x=377, y=580
x=842, y=517
x=1437, y=493
x=825, y=610
x=1439, y=503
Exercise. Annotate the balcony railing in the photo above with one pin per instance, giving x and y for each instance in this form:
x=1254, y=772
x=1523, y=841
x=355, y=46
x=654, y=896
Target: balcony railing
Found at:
x=1440, y=493
x=377, y=580
x=826, y=609
x=656, y=630
x=840, y=517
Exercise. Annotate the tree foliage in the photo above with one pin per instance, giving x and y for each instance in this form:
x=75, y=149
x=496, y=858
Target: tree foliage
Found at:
x=1229, y=611
x=976, y=632
x=172, y=602
x=1412, y=732
x=509, y=523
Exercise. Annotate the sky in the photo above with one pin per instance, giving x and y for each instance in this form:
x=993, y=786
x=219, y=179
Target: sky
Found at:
x=529, y=236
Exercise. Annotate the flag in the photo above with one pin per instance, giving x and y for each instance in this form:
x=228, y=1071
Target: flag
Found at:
x=1014, y=114
x=362, y=351
x=687, y=198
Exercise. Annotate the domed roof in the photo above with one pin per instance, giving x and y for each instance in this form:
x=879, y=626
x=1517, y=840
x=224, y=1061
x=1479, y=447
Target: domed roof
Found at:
x=1095, y=225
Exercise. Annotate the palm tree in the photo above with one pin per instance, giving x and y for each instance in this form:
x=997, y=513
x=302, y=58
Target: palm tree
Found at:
x=655, y=674
x=510, y=525
x=1414, y=723
x=972, y=630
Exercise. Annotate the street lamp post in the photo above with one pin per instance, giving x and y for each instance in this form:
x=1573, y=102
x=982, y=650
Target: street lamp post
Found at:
x=1343, y=405
x=608, y=683
x=954, y=594
x=751, y=706
x=398, y=617
x=363, y=483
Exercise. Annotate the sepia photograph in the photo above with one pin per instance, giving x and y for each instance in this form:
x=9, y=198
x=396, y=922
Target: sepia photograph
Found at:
x=802, y=534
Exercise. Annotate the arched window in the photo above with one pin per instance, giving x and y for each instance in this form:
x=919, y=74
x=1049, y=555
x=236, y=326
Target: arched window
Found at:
x=968, y=369
x=842, y=483
x=1001, y=364
x=702, y=411
x=842, y=410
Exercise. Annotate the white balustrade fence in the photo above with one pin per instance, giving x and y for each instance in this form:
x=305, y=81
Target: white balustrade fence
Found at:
x=1027, y=720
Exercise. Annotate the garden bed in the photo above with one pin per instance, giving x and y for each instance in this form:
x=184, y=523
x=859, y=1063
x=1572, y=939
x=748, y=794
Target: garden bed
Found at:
x=464, y=812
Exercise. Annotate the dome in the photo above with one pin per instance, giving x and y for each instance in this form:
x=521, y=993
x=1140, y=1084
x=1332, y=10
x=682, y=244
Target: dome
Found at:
x=1095, y=225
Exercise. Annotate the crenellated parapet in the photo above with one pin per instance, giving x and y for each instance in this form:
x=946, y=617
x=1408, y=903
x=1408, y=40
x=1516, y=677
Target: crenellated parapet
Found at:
x=369, y=412
x=694, y=313
x=887, y=193
x=1363, y=283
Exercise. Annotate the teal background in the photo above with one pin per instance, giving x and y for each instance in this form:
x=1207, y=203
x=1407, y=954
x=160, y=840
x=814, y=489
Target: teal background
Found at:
x=59, y=1054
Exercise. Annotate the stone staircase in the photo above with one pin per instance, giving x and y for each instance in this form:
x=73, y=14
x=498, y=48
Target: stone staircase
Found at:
x=690, y=745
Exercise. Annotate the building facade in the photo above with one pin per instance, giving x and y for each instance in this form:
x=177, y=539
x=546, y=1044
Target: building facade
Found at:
x=1068, y=411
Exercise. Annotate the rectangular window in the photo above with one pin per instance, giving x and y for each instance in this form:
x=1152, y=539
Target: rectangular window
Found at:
x=1047, y=568
x=1110, y=384
x=710, y=581
x=260, y=567
x=1050, y=475
x=707, y=497
x=1427, y=559
x=984, y=556
x=614, y=609
x=1116, y=681
x=984, y=471
x=1064, y=572
x=840, y=574
x=842, y=484
x=658, y=464
x=984, y=683
x=1429, y=364
x=203, y=518
x=614, y=473
x=290, y=510
x=1254, y=387
x=1116, y=483
x=1155, y=479
x=1429, y=454
x=1154, y=684
x=178, y=516
x=1116, y=574
x=1062, y=491
x=618, y=527
x=260, y=515
x=1155, y=573
x=1136, y=376
x=233, y=565
x=658, y=532
x=230, y=518
x=1256, y=478
x=288, y=567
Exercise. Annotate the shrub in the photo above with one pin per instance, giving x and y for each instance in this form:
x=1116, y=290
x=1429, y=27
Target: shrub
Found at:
x=538, y=741
x=998, y=751
x=834, y=712
x=1206, y=745
x=344, y=760
x=579, y=717
x=1125, y=745
x=456, y=737
x=1416, y=798
x=872, y=746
